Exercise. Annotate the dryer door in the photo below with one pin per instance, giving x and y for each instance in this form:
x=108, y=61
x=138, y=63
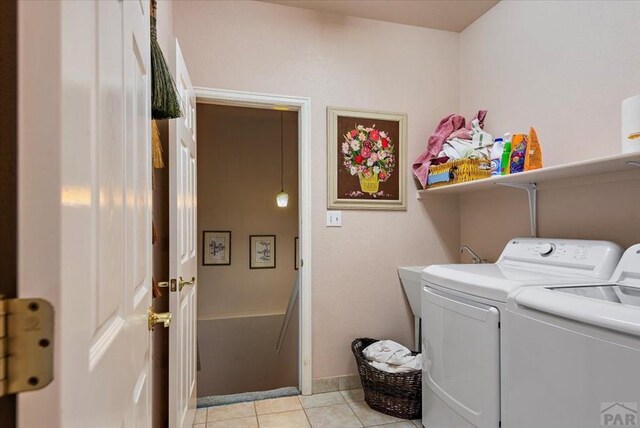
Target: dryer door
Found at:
x=461, y=347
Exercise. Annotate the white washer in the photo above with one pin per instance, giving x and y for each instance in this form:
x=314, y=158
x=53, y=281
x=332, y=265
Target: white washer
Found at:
x=573, y=353
x=461, y=314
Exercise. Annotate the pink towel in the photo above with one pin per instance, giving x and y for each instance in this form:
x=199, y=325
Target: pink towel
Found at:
x=450, y=126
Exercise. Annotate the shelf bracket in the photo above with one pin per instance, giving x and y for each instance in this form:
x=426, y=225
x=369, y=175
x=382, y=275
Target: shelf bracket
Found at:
x=532, y=193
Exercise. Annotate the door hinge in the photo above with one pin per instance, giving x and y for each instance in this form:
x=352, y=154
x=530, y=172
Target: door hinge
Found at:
x=26, y=345
x=498, y=324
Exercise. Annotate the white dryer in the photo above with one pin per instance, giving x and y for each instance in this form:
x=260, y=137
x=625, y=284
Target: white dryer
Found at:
x=573, y=353
x=462, y=307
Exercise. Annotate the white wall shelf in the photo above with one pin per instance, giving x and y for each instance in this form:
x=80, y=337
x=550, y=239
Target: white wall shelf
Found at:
x=529, y=180
x=609, y=164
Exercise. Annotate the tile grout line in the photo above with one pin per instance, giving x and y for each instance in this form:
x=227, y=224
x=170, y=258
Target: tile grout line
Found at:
x=357, y=417
x=273, y=413
x=335, y=404
x=282, y=411
x=306, y=416
x=255, y=410
x=255, y=413
x=326, y=405
x=305, y=412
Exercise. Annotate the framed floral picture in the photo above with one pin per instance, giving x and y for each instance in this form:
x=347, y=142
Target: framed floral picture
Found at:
x=366, y=159
x=262, y=251
x=216, y=248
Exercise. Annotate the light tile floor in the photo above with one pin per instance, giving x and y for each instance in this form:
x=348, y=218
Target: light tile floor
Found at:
x=342, y=409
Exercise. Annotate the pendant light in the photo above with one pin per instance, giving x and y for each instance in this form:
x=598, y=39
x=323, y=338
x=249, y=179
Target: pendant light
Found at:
x=282, y=198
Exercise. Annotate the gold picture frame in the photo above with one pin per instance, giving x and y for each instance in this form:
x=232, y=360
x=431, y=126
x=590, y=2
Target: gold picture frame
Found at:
x=366, y=159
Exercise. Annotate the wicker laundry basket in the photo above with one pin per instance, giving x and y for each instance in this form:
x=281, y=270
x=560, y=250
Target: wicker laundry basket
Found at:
x=396, y=394
x=458, y=171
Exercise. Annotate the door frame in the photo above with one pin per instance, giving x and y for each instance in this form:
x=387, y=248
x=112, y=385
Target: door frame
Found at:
x=303, y=106
x=9, y=172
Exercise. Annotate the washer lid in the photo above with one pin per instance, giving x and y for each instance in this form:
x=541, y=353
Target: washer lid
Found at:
x=492, y=281
x=614, y=293
x=628, y=270
x=616, y=316
x=624, y=287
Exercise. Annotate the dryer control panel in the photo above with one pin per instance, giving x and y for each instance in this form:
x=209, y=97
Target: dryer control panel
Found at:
x=569, y=255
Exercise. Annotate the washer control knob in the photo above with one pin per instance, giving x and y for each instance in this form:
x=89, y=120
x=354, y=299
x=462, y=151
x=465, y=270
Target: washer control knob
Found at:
x=547, y=249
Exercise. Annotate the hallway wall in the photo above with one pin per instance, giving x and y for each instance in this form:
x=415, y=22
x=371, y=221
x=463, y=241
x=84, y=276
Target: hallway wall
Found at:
x=351, y=62
x=238, y=179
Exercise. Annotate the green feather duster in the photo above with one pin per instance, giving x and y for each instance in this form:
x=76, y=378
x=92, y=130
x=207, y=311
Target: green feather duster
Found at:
x=165, y=103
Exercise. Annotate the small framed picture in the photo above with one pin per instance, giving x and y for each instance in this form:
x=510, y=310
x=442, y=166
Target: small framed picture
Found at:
x=296, y=253
x=262, y=251
x=216, y=248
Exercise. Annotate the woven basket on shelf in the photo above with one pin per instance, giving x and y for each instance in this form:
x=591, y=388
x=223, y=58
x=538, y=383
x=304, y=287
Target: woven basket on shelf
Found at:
x=458, y=171
x=395, y=394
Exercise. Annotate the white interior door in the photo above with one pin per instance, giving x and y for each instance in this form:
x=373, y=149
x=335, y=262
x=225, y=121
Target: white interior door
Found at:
x=183, y=254
x=85, y=206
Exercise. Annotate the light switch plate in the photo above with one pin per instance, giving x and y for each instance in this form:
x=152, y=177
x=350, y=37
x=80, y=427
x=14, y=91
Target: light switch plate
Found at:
x=334, y=218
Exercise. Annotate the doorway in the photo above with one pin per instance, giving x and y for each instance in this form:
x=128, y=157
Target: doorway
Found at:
x=254, y=315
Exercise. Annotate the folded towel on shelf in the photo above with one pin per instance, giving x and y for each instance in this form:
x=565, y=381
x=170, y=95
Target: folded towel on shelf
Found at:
x=457, y=148
x=392, y=357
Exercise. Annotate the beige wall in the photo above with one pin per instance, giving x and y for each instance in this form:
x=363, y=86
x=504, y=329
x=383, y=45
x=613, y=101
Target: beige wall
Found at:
x=563, y=67
x=238, y=179
x=164, y=25
x=351, y=62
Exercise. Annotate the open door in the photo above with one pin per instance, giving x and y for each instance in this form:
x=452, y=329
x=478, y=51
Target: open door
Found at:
x=85, y=206
x=183, y=254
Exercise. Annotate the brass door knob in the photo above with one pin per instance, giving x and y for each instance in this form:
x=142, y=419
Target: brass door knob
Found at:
x=154, y=318
x=182, y=283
